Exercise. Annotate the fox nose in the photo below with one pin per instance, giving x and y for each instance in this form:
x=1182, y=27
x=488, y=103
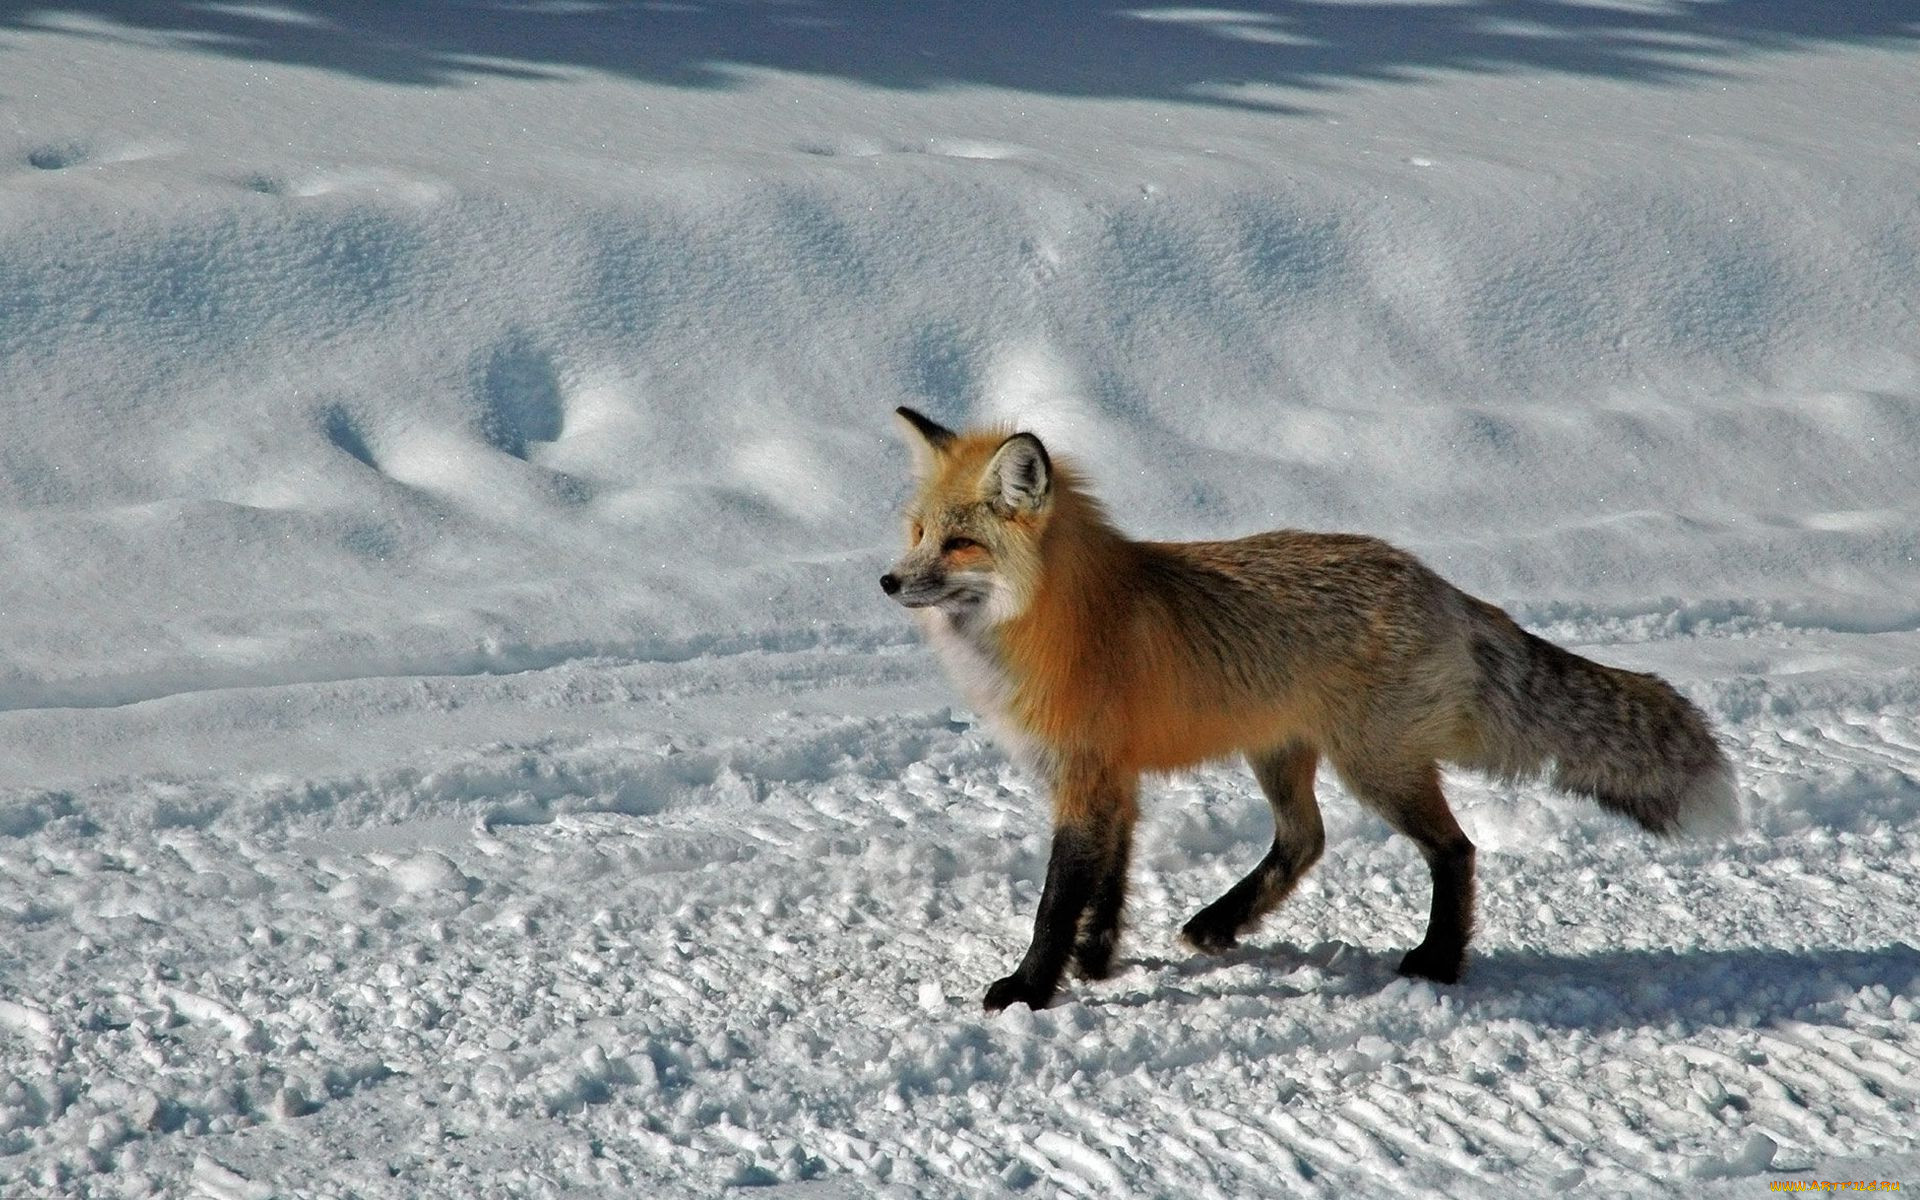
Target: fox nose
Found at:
x=890, y=583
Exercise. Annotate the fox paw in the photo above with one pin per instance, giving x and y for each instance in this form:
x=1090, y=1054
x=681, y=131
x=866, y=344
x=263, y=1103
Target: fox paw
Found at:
x=1440, y=965
x=1015, y=990
x=1093, y=956
x=1209, y=937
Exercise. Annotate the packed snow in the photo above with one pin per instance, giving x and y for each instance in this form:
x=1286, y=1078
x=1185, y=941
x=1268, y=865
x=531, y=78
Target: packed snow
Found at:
x=453, y=744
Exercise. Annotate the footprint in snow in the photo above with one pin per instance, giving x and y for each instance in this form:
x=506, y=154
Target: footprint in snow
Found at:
x=58, y=156
x=968, y=148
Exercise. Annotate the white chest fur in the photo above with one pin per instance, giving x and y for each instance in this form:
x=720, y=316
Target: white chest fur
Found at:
x=972, y=663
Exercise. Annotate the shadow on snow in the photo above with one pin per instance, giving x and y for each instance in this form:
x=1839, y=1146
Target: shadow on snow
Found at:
x=1205, y=54
x=1610, y=989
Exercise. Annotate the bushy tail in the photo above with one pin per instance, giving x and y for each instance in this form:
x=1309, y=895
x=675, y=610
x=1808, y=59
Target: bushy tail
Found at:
x=1627, y=740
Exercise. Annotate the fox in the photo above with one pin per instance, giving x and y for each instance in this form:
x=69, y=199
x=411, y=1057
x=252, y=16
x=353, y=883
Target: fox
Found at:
x=1097, y=660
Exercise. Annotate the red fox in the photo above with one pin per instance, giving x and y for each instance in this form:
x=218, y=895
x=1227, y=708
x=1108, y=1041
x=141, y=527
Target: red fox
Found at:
x=1096, y=659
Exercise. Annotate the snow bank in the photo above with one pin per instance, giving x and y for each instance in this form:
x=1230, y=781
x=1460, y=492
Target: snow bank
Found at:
x=278, y=418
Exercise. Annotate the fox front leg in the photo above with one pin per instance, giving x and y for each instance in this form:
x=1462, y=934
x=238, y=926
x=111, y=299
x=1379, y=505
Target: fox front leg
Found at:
x=1093, y=826
x=1100, y=926
x=1072, y=871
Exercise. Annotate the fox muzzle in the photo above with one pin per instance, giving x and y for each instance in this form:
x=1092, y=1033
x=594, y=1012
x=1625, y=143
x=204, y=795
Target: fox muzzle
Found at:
x=926, y=588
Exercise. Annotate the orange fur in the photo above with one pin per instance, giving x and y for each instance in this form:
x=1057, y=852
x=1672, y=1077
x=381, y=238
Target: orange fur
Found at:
x=1102, y=660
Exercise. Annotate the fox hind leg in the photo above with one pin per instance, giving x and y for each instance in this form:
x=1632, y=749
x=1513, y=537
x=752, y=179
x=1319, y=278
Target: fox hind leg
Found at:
x=1286, y=776
x=1415, y=806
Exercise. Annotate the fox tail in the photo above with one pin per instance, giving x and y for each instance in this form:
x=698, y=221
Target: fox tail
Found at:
x=1628, y=741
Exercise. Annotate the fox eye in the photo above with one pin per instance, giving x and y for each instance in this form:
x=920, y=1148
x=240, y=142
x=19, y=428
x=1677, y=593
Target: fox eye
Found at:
x=953, y=545
x=919, y=532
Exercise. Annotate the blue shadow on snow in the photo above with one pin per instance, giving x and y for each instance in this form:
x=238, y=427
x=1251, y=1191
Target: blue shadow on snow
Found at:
x=1205, y=54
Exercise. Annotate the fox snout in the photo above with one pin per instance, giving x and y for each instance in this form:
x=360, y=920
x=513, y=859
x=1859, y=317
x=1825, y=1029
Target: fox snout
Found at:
x=916, y=588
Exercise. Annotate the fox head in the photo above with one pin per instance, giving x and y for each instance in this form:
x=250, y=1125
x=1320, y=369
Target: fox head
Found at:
x=974, y=526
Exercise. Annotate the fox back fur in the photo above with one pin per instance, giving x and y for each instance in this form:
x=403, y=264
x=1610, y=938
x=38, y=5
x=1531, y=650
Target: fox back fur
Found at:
x=1098, y=658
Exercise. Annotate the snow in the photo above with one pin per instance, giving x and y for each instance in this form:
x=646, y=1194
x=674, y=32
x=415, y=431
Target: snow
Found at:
x=454, y=742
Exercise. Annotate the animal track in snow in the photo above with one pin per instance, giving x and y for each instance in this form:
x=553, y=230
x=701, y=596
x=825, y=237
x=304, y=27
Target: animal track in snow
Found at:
x=344, y=432
x=969, y=148
x=68, y=153
x=359, y=181
x=58, y=156
x=521, y=402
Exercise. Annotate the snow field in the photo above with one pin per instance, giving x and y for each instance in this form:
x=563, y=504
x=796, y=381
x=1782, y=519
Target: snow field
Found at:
x=452, y=743
x=749, y=950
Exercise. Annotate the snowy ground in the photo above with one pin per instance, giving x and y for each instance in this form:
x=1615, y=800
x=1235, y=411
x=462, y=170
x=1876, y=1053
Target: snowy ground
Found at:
x=452, y=743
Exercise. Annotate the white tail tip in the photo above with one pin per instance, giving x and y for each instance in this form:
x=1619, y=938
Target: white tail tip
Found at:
x=1710, y=807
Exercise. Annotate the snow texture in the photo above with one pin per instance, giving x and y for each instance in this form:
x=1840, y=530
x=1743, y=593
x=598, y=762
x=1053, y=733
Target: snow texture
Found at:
x=453, y=744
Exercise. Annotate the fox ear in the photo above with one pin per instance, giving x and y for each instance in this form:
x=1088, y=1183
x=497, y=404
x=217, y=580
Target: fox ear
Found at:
x=926, y=439
x=1020, y=476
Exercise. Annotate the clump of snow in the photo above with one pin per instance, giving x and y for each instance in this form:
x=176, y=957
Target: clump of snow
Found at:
x=1754, y=1156
x=427, y=873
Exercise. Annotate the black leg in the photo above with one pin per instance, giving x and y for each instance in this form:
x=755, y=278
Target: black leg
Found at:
x=1286, y=776
x=1073, y=871
x=1217, y=927
x=1100, y=928
x=1412, y=802
x=1442, y=954
x=1094, y=809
